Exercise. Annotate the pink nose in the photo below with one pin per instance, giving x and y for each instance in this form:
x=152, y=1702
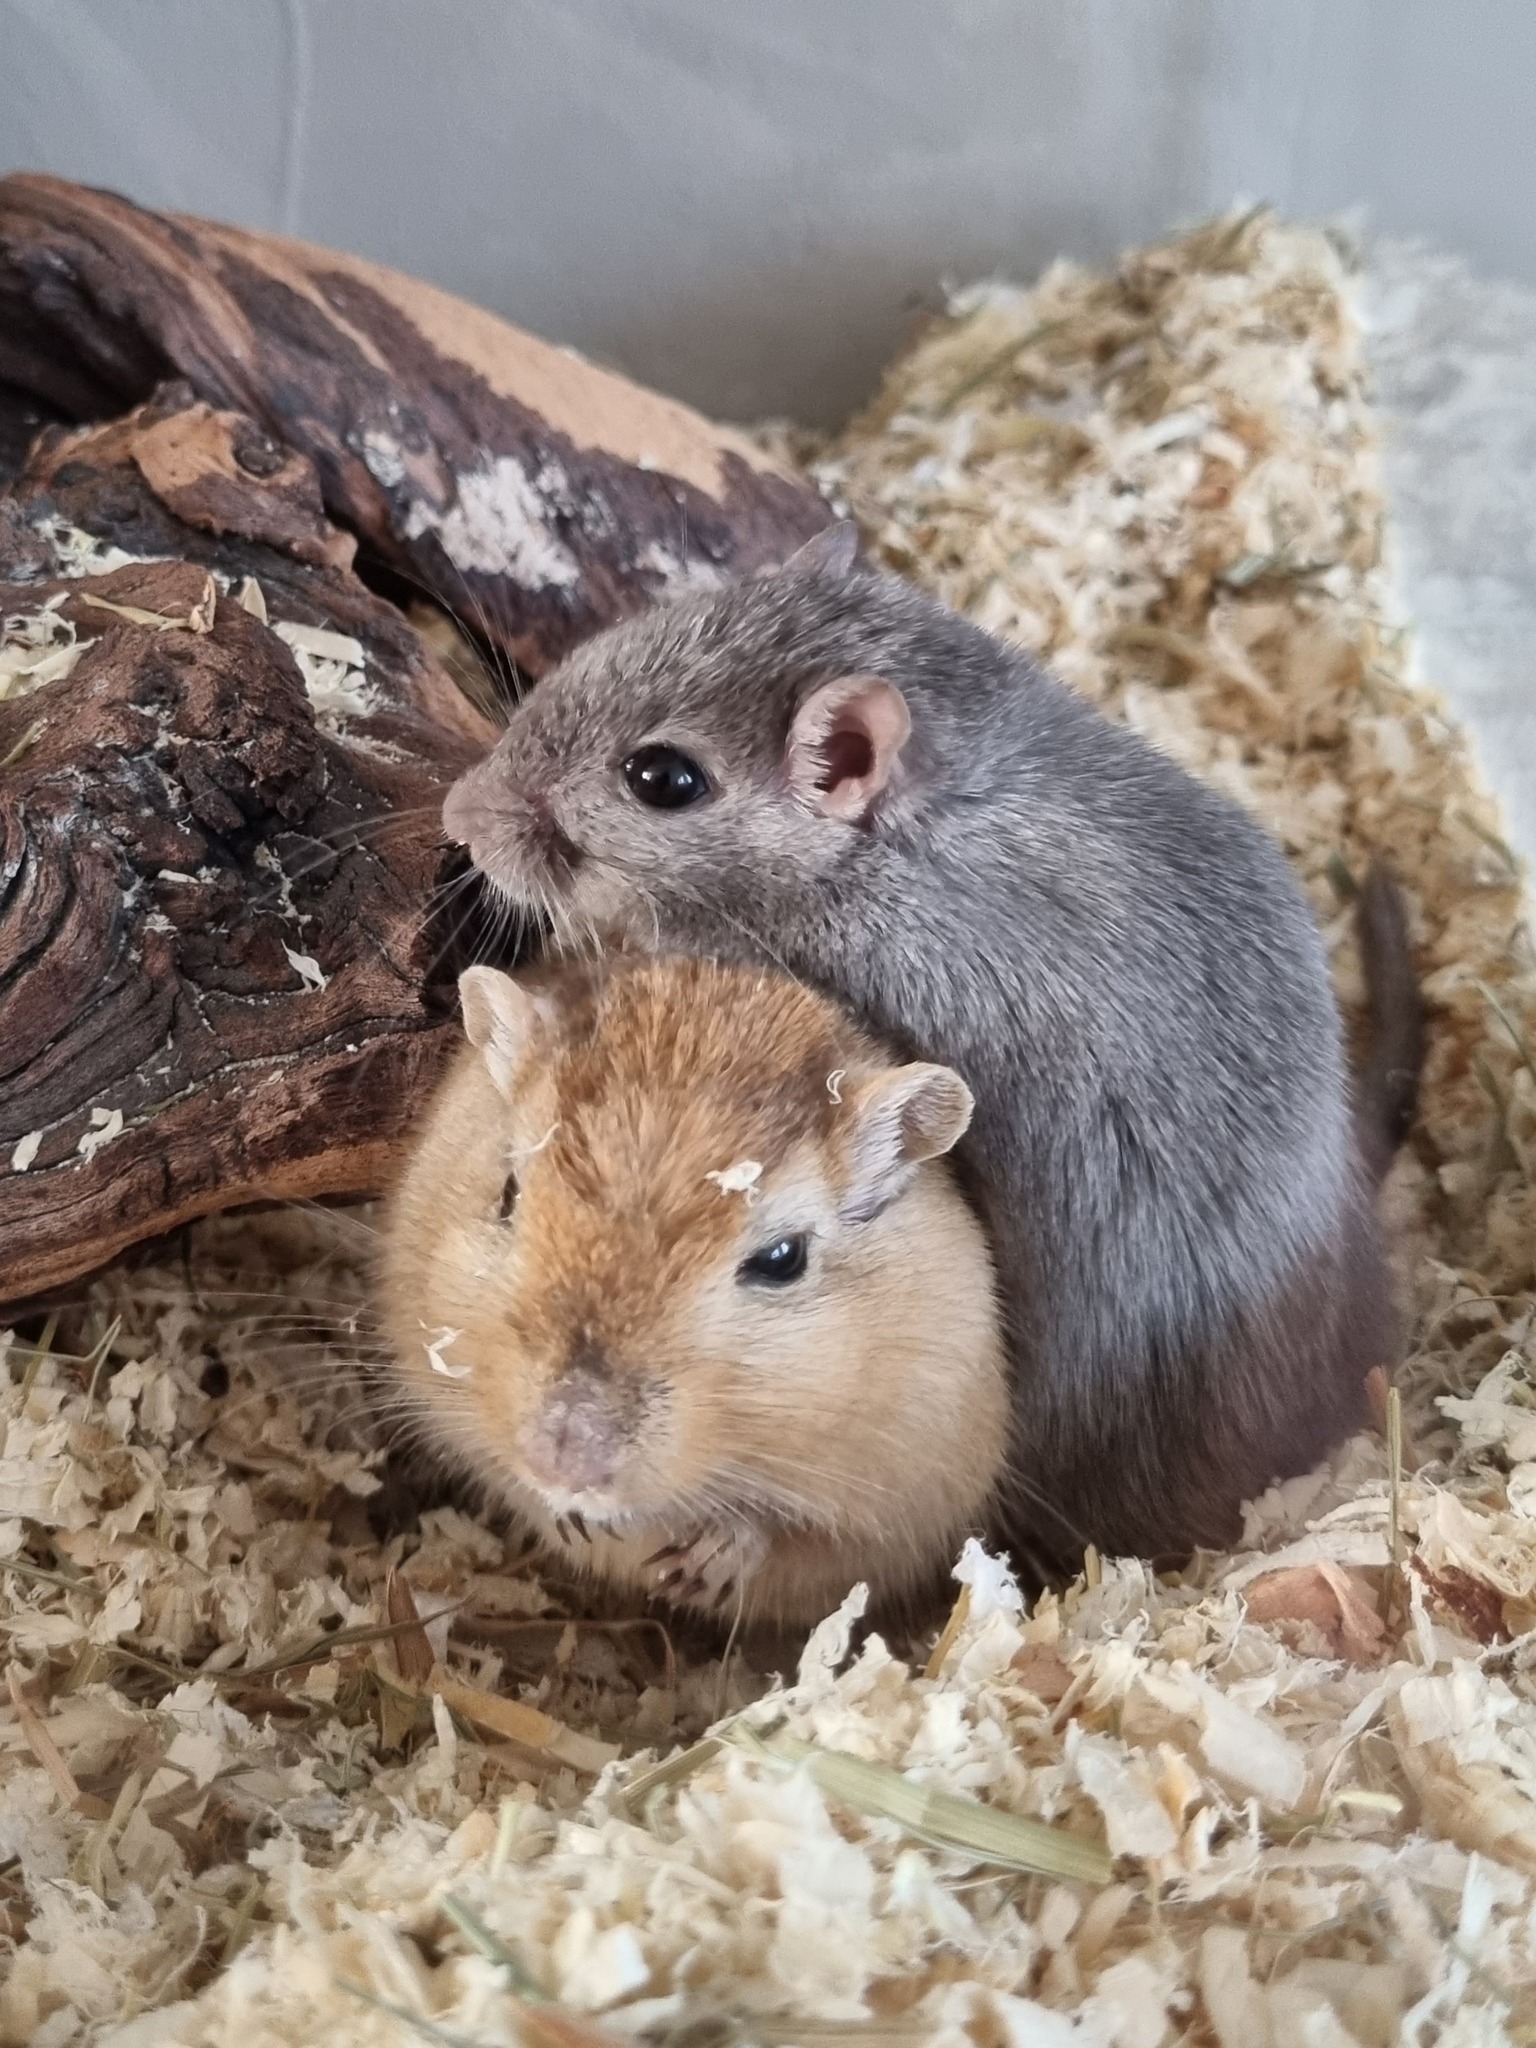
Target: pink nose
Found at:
x=578, y=1437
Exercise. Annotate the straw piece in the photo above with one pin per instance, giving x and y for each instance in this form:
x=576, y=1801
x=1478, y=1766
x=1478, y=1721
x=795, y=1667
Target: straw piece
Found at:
x=940, y=1818
x=45, y=1749
x=523, y=1725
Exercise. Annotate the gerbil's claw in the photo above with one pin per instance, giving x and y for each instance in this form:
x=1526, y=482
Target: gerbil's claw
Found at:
x=708, y=1569
x=667, y=1550
x=563, y=1528
x=578, y=1523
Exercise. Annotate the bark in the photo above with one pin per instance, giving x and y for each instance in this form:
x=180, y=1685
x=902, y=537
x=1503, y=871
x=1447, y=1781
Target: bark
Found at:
x=219, y=978
x=22, y=419
x=531, y=492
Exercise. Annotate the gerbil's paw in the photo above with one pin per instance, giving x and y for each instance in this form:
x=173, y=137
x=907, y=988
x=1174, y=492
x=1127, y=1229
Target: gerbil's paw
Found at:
x=708, y=1568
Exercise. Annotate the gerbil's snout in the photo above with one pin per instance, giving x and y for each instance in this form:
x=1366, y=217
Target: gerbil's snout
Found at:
x=469, y=809
x=511, y=832
x=585, y=1427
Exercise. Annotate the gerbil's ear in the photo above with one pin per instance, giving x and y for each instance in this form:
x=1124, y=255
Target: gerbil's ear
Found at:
x=500, y=1018
x=844, y=744
x=899, y=1120
x=832, y=552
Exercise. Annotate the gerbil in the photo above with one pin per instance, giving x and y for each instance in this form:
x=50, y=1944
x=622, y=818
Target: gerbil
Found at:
x=678, y=1270
x=828, y=770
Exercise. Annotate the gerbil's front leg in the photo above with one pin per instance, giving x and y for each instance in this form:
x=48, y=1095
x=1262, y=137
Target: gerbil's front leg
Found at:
x=707, y=1568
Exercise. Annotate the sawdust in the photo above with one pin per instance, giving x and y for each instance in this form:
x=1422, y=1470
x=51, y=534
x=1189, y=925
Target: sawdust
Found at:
x=37, y=648
x=332, y=665
x=251, y=1788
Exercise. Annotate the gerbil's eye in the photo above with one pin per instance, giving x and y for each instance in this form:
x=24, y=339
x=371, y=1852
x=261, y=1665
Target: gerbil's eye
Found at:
x=664, y=779
x=778, y=1263
x=508, y=1200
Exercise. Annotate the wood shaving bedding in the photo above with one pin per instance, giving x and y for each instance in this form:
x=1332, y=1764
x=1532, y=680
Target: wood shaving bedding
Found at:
x=239, y=1803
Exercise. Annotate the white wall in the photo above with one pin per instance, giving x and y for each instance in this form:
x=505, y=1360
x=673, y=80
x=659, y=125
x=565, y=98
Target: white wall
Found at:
x=744, y=201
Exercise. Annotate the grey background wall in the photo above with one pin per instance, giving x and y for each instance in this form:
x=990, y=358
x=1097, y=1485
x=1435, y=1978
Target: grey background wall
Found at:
x=744, y=201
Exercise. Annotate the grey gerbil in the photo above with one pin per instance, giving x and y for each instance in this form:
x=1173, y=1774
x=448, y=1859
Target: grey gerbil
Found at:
x=667, y=1227
x=828, y=770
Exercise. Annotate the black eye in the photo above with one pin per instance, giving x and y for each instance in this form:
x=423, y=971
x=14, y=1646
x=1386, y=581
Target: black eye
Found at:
x=508, y=1200
x=778, y=1263
x=665, y=780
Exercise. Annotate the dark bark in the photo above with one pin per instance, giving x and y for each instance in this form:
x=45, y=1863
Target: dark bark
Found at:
x=178, y=816
x=537, y=495
x=22, y=419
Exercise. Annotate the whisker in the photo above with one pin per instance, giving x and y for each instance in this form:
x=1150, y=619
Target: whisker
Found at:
x=485, y=643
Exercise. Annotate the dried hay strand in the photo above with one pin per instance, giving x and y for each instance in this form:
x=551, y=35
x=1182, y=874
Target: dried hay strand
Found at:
x=251, y=1788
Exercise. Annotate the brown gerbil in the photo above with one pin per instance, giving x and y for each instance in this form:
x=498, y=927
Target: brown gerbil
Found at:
x=677, y=1271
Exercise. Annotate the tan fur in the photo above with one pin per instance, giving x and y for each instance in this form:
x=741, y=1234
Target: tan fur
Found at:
x=791, y=1440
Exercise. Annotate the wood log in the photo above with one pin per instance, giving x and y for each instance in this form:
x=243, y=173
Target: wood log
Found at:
x=221, y=764
x=516, y=484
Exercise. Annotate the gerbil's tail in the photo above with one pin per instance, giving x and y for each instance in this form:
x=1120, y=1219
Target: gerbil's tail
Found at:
x=1389, y=1076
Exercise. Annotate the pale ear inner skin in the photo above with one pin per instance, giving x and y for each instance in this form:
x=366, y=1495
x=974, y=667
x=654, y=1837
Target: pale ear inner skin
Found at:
x=902, y=1118
x=499, y=1018
x=936, y=1113
x=844, y=745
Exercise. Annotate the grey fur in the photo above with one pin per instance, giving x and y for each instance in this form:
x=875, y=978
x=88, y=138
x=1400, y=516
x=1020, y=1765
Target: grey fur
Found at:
x=1117, y=960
